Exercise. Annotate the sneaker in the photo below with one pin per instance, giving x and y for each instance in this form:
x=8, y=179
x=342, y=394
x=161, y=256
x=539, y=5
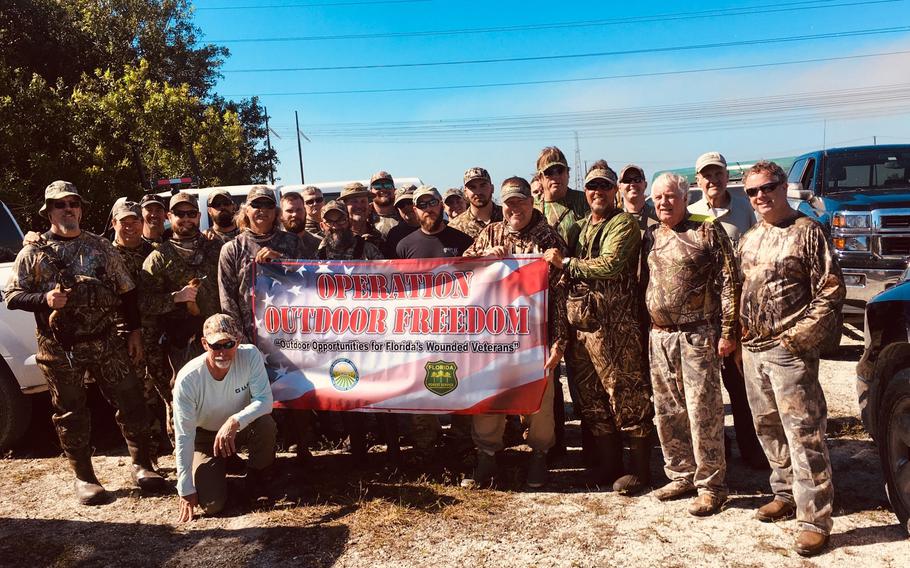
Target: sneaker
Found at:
x=706, y=504
x=483, y=473
x=776, y=510
x=537, y=470
x=674, y=490
x=810, y=543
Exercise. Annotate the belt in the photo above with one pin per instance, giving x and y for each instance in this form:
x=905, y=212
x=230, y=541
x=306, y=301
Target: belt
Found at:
x=683, y=327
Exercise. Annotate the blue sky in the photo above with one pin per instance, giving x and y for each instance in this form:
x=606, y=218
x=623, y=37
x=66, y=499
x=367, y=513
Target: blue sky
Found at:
x=633, y=119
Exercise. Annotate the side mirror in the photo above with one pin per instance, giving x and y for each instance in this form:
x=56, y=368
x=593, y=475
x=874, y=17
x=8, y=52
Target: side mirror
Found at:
x=797, y=191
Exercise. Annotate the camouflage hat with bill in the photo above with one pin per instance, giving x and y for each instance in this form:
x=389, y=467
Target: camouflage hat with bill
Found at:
x=355, y=189
x=631, y=168
x=124, y=209
x=183, y=197
x=381, y=176
x=221, y=327
x=476, y=173
x=152, y=199
x=58, y=190
x=452, y=192
x=515, y=189
x=404, y=193
x=605, y=174
x=426, y=190
x=218, y=193
x=334, y=206
x=260, y=192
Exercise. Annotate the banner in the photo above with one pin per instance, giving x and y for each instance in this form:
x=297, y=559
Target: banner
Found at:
x=447, y=335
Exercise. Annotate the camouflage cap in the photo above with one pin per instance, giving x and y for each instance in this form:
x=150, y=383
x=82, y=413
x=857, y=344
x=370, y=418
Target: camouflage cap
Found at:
x=355, y=189
x=183, y=197
x=607, y=175
x=381, y=176
x=710, y=159
x=631, y=168
x=452, y=192
x=404, y=193
x=152, y=199
x=260, y=192
x=221, y=327
x=218, y=193
x=476, y=173
x=311, y=190
x=426, y=190
x=553, y=161
x=334, y=205
x=124, y=209
x=58, y=190
x=515, y=190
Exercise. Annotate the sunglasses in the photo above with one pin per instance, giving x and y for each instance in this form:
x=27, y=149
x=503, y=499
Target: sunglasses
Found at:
x=765, y=188
x=599, y=185
x=554, y=171
x=383, y=185
x=314, y=201
x=229, y=344
x=636, y=179
x=61, y=204
x=219, y=203
x=186, y=214
x=264, y=204
x=426, y=204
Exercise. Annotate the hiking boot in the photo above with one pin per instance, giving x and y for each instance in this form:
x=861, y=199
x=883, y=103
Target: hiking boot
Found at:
x=810, y=543
x=537, y=470
x=142, y=472
x=609, y=460
x=87, y=487
x=706, y=504
x=674, y=490
x=640, y=476
x=776, y=510
x=483, y=473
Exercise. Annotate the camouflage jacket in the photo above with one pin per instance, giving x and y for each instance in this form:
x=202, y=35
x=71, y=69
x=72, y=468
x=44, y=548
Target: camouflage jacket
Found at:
x=373, y=237
x=367, y=250
x=561, y=217
x=536, y=238
x=235, y=271
x=384, y=223
x=212, y=233
x=171, y=267
x=792, y=286
x=690, y=275
x=470, y=225
x=132, y=260
x=100, y=277
x=313, y=227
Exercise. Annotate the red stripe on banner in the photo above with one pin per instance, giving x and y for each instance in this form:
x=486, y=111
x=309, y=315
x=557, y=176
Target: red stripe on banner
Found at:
x=525, y=280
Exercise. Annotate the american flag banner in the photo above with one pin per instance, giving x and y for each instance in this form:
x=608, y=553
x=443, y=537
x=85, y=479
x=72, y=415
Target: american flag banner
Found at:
x=446, y=335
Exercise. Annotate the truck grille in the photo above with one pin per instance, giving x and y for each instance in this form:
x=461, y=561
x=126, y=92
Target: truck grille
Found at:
x=896, y=222
x=894, y=246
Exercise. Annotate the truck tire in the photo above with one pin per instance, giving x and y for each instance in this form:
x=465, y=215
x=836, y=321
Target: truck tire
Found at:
x=15, y=409
x=894, y=444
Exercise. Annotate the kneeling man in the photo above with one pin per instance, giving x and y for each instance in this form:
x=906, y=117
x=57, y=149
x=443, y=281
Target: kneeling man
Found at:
x=222, y=401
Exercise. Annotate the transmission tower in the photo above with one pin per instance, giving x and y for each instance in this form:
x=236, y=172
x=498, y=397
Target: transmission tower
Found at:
x=579, y=175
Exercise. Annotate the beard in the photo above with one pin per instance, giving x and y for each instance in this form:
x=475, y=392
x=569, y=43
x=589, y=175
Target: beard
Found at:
x=383, y=198
x=340, y=238
x=295, y=226
x=431, y=224
x=224, y=219
x=479, y=201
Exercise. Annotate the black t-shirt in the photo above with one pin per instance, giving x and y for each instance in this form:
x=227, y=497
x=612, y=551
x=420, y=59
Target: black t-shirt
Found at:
x=398, y=232
x=448, y=242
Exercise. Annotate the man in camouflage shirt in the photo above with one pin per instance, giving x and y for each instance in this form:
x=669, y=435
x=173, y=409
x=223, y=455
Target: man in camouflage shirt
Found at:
x=692, y=292
x=523, y=231
x=221, y=216
x=154, y=211
x=605, y=358
x=560, y=205
x=481, y=211
x=180, y=280
x=384, y=213
x=75, y=283
x=356, y=197
x=294, y=218
x=791, y=302
x=312, y=203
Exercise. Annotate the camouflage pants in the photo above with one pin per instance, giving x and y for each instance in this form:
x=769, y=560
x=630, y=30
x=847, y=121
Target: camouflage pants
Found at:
x=107, y=362
x=488, y=429
x=790, y=418
x=611, y=381
x=685, y=373
x=157, y=378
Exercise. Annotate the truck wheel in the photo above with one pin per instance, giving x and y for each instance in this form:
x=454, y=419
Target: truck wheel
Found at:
x=894, y=444
x=15, y=410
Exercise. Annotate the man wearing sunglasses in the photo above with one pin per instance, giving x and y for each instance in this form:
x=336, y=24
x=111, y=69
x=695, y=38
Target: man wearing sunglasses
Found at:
x=356, y=197
x=313, y=201
x=221, y=214
x=481, y=211
x=632, y=186
x=384, y=214
x=222, y=402
x=78, y=288
x=792, y=294
x=560, y=205
x=180, y=278
x=734, y=213
x=404, y=202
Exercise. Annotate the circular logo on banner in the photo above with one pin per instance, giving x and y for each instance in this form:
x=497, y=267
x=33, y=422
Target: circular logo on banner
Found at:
x=343, y=374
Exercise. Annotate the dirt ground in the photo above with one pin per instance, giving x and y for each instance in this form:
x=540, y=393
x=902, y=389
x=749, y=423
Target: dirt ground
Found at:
x=327, y=514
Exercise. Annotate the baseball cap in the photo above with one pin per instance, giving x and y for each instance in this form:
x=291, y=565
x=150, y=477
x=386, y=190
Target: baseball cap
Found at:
x=515, y=190
x=150, y=198
x=124, y=209
x=58, y=190
x=355, y=189
x=710, y=159
x=218, y=193
x=183, y=197
x=404, y=193
x=604, y=174
x=426, y=190
x=630, y=168
x=452, y=192
x=476, y=173
x=221, y=327
x=334, y=205
x=260, y=192
x=553, y=161
x=381, y=176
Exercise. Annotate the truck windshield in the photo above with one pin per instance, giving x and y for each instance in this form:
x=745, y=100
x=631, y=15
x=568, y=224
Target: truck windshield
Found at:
x=868, y=169
x=10, y=236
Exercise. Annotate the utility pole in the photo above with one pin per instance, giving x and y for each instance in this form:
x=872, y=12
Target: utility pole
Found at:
x=875, y=140
x=268, y=146
x=578, y=173
x=299, y=149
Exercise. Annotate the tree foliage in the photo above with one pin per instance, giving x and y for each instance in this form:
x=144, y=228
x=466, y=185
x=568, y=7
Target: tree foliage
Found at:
x=110, y=94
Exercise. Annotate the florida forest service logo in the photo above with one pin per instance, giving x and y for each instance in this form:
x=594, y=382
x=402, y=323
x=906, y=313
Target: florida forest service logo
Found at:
x=441, y=378
x=343, y=374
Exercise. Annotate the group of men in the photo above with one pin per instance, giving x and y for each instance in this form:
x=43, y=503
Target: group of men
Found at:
x=651, y=306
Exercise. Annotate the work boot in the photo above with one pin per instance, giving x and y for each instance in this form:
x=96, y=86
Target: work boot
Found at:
x=640, y=474
x=775, y=510
x=810, y=543
x=483, y=473
x=706, y=504
x=537, y=470
x=609, y=460
x=88, y=489
x=674, y=490
x=142, y=473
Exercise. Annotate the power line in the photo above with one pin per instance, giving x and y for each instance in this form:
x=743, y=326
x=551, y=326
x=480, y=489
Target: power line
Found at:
x=718, y=13
x=313, y=5
x=578, y=79
x=760, y=41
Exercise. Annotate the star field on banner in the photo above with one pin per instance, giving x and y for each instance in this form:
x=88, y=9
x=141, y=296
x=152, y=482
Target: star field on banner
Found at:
x=447, y=335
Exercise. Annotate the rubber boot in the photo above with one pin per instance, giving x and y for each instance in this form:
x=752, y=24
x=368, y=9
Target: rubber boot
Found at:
x=640, y=475
x=142, y=473
x=609, y=465
x=88, y=489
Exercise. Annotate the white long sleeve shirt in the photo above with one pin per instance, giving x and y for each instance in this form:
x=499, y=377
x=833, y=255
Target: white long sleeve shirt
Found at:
x=201, y=401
